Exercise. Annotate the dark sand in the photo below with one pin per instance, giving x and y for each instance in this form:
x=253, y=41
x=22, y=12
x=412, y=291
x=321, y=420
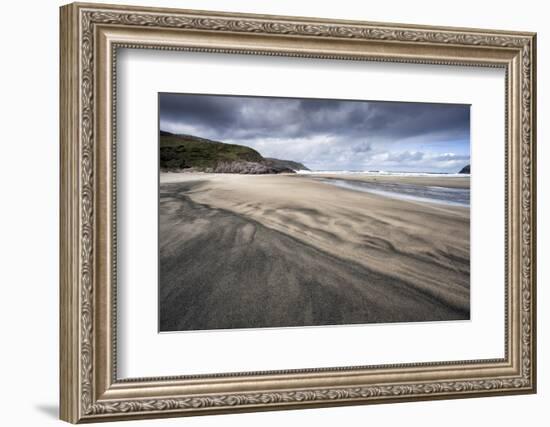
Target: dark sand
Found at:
x=221, y=269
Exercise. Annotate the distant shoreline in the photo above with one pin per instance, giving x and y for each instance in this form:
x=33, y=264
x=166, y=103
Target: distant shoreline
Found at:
x=336, y=172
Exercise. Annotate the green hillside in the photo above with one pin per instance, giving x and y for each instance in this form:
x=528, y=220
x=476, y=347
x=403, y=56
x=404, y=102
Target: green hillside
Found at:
x=179, y=152
x=186, y=151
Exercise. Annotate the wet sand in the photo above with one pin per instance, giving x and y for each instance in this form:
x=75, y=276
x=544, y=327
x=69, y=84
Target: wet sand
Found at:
x=452, y=181
x=239, y=251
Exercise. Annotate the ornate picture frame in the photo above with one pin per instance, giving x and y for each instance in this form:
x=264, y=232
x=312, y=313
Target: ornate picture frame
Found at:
x=90, y=37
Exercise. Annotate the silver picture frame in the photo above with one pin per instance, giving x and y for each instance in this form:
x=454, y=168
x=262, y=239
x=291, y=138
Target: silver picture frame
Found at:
x=90, y=37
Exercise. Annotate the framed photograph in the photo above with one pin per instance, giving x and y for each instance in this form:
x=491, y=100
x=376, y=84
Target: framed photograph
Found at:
x=266, y=212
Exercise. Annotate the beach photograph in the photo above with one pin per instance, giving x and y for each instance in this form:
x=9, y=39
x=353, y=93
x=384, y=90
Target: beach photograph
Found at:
x=292, y=212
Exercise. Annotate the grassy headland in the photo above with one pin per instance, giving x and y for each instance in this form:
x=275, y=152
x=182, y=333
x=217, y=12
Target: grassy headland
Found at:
x=180, y=152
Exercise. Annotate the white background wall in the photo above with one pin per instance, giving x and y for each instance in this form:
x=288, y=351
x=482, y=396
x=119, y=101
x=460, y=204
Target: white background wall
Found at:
x=29, y=170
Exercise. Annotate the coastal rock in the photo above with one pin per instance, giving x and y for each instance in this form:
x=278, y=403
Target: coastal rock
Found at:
x=285, y=164
x=465, y=169
x=251, y=168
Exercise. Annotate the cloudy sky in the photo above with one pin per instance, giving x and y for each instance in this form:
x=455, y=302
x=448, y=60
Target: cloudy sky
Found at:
x=329, y=134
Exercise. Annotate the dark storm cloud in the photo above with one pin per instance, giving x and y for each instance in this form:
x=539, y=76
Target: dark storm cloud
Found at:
x=203, y=110
x=250, y=117
x=353, y=134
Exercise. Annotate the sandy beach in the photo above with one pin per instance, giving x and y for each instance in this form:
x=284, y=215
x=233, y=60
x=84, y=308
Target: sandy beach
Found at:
x=242, y=251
